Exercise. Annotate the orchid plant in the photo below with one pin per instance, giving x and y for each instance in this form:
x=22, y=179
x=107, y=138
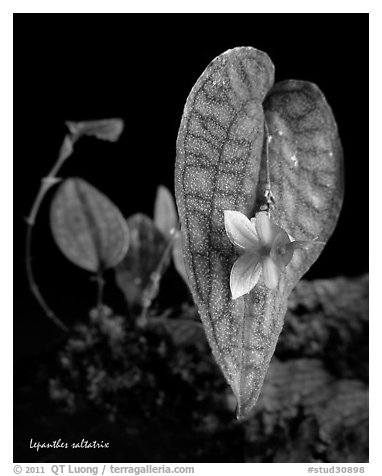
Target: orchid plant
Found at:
x=91, y=231
x=267, y=250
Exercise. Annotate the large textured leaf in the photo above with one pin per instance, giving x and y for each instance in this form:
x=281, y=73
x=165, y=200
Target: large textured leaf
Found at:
x=87, y=227
x=222, y=165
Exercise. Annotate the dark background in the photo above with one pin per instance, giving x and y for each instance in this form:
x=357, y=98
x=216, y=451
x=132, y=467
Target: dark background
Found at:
x=141, y=68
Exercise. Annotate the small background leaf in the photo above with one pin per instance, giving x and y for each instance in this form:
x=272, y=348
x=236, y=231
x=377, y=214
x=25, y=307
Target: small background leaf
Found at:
x=87, y=227
x=147, y=244
x=165, y=214
x=166, y=220
x=103, y=129
x=178, y=258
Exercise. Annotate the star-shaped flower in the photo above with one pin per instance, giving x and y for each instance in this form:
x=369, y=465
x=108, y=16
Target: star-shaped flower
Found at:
x=267, y=250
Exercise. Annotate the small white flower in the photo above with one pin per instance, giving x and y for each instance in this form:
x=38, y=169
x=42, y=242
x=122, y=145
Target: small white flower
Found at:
x=267, y=250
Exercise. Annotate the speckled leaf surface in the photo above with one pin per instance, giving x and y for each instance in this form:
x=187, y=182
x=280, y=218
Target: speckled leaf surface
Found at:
x=221, y=165
x=87, y=227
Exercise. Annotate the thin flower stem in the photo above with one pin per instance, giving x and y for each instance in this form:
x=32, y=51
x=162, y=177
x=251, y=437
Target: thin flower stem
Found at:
x=152, y=287
x=47, y=182
x=267, y=154
x=268, y=191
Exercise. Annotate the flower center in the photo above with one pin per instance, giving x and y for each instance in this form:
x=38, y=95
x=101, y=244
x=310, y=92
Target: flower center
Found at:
x=280, y=250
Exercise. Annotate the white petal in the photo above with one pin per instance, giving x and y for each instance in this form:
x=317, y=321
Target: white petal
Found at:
x=240, y=230
x=244, y=274
x=271, y=273
x=281, y=253
x=266, y=230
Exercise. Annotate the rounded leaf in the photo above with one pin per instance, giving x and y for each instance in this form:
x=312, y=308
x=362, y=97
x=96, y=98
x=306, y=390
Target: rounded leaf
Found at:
x=87, y=227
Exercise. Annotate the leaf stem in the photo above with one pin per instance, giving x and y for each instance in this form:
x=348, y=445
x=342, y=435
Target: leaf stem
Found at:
x=50, y=179
x=46, y=183
x=33, y=285
x=100, y=289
